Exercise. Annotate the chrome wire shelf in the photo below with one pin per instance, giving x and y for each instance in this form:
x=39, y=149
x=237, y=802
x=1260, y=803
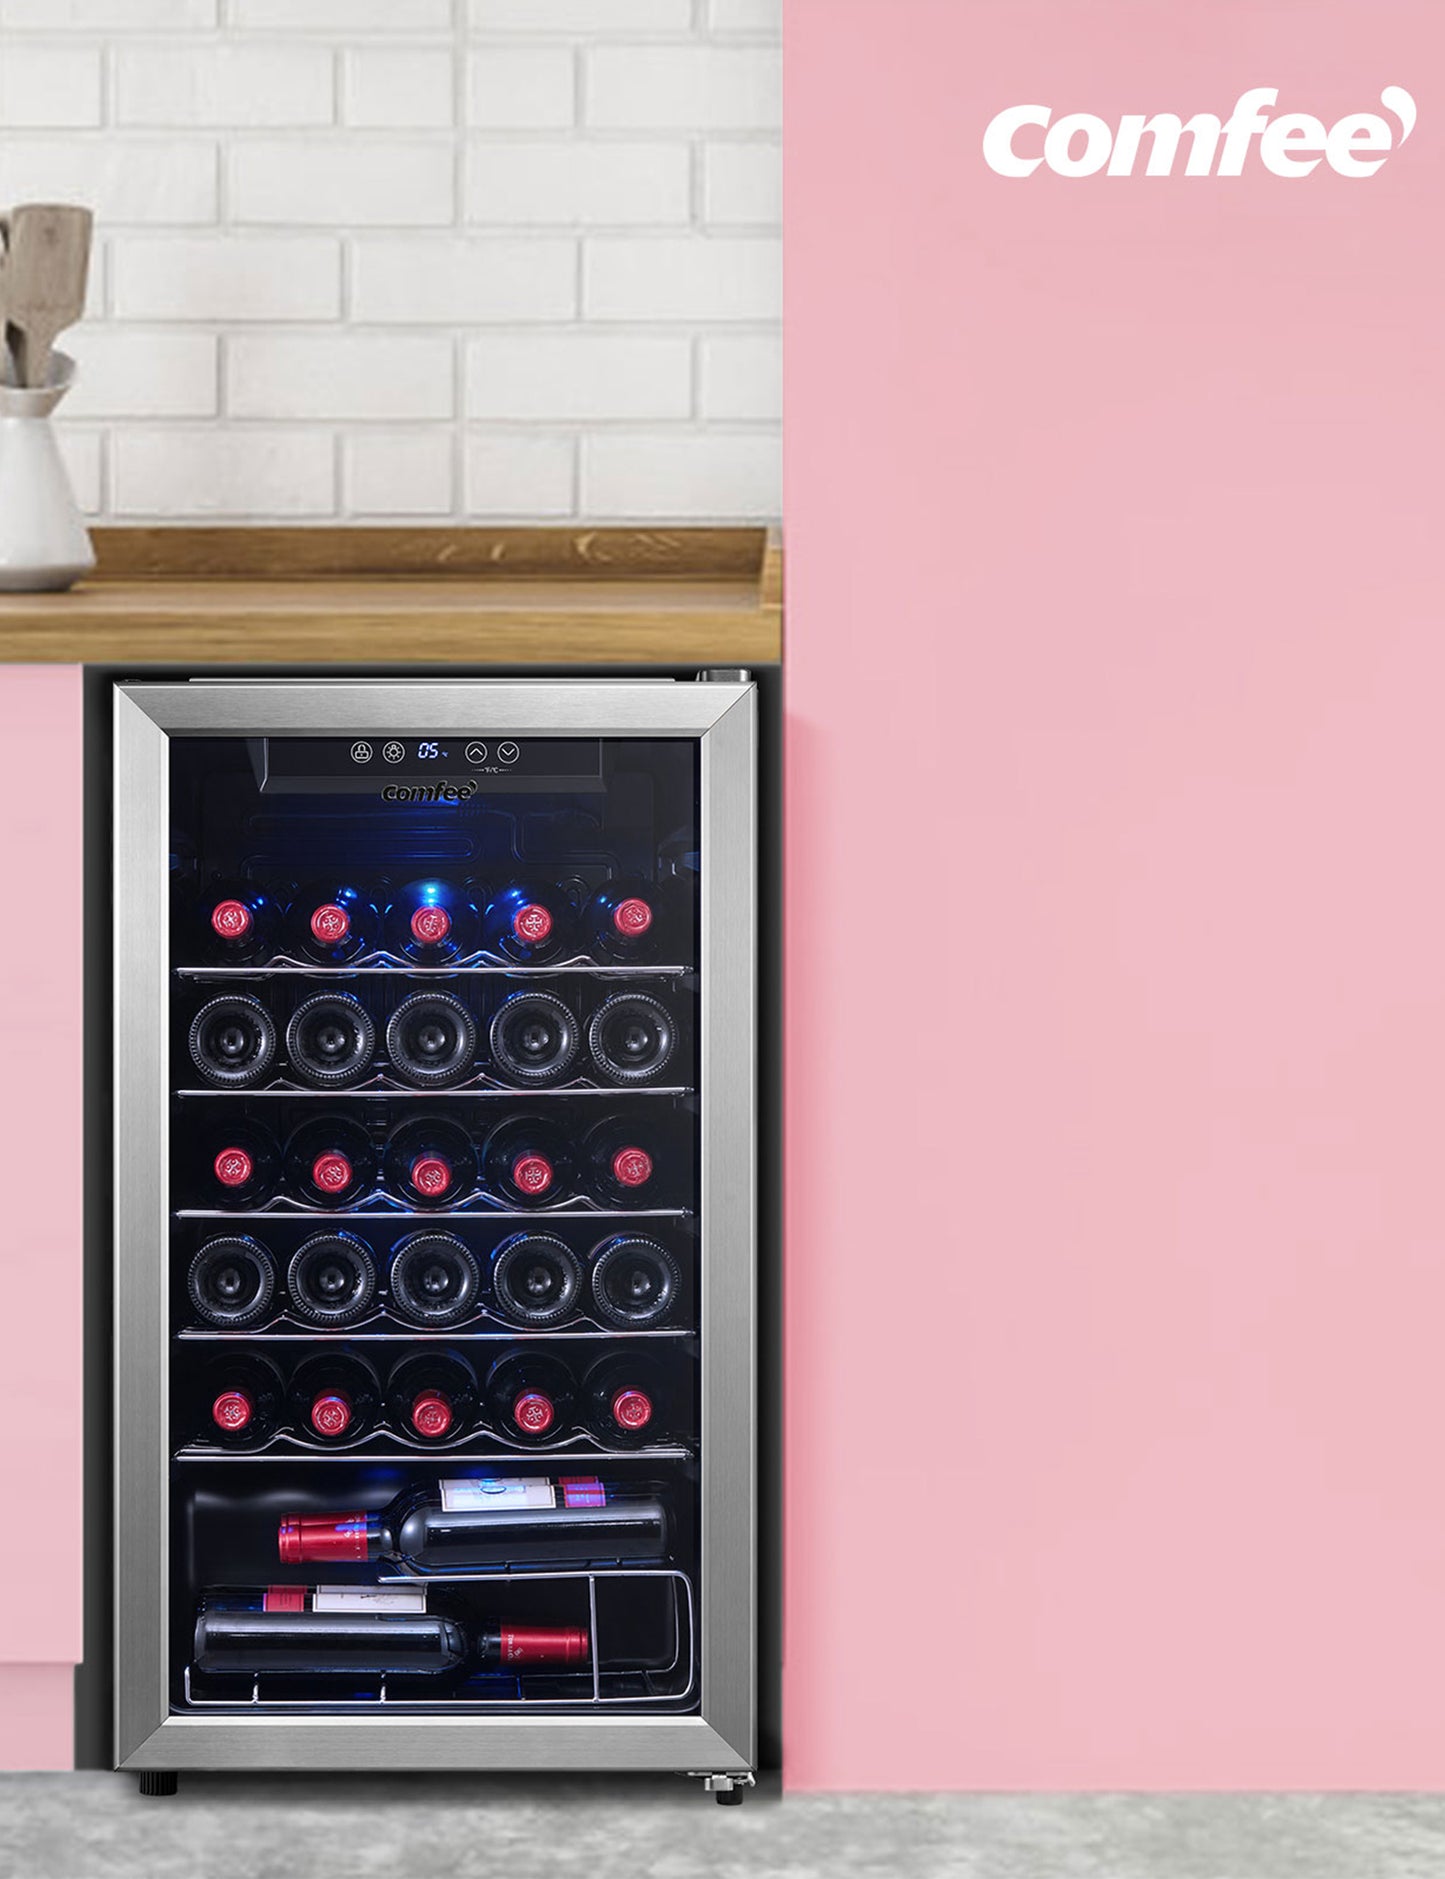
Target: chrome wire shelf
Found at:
x=603, y=1693
x=385, y=1445
x=391, y=965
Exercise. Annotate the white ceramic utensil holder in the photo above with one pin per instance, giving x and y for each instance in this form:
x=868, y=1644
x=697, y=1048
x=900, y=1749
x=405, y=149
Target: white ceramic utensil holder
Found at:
x=44, y=546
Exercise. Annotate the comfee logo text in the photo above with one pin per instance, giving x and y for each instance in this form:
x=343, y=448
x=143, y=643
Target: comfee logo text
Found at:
x=429, y=792
x=1291, y=145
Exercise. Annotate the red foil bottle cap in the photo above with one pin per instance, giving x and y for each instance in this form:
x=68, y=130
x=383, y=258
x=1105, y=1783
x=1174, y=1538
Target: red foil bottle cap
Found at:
x=532, y=1173
x=632, y=1409
x=284, y=1598
x=231, y=919
x=233, y=1167
x=431, y=1414
x=533, y=1412
x=632, y=918
x=330, y=924
x=532, y=923
x=232, y=1411
x=331, y=1413
x=431, y=1175
x=430, y=925
x=632, y=1167
x=341, y=1537
x=542, y=1644
x=331, y=1172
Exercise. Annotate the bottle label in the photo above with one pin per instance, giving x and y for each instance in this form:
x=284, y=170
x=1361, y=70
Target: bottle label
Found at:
x=532, y=924
x=496, y=1491
x=330, y=924
x=430, y=925
x=368, y=1598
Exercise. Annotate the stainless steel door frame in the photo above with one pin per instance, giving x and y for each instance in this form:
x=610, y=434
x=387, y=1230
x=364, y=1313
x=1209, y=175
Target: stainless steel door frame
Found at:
x=722, y=716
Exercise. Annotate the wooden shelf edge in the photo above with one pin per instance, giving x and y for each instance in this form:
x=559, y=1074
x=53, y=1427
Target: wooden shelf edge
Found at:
x=545, y=596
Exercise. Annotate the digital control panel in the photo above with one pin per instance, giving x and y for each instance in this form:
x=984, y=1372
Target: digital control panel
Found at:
x=460, y=762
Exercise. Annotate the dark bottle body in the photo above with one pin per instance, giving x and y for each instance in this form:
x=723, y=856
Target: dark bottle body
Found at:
x=240, y=1166
x=237, y=924
x=332, y=923
x=282, y=1631
x=631, y=1038
x=431, y=1040
x=533, y=1039
x=627, y=1401
x=330, y=1162
x=430, y=1162
x=432, y=1397
x=335, y=1398
x=536, y=1279
x=486, y=1524
x=528, y=924
x=232, y=1041
x=331, y=1040
x=332, y=1279
x=635, y=1282
x=232, y=1282
x=434, y=1280
x=625, y=921
x=431, y=923
x=527, y=1162
x=243, y=1401
x=531, y=1396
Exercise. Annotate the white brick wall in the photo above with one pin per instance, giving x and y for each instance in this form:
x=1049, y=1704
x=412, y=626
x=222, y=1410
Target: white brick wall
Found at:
x=413, y=259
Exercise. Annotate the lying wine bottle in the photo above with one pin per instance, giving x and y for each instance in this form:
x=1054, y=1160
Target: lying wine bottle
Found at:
x=486, y=1523
x=365, y=1630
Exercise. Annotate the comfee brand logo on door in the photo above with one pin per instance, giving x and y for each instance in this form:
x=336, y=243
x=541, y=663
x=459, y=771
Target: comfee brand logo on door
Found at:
x=1292, y=144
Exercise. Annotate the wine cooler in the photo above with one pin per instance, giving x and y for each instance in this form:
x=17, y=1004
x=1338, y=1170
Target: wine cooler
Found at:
x=434, y=1198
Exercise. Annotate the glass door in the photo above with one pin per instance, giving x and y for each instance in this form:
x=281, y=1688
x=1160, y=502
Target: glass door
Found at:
x=451, y=1390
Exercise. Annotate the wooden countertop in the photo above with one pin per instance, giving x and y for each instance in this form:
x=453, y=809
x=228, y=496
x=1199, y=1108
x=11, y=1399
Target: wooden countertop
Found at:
x=455, y=596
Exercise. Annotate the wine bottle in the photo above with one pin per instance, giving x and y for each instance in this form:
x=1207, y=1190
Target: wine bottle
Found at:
x=530, y=1396
x=626, y=1401
x=431, y=923
x=527, y=1162
x=535, y=1279
x=431, y=1040
x=486, y=1523
x=231, y=1282
x=238, y=924
x=622, y=921
x=331, y=1040
x=330, y=1162
x=434, y=1280
x=240, y=1166
x=631, y=1037
x=335, y=1398
x=529, y=925
x=243, y=1402
x=332, y=1279
x=432, y=1397
x=635, y=1282
x=362, y=1630
x=332, y=922
x=430, y=1162
x=533, y=1038
x=622, y=1161
x=232, y=1041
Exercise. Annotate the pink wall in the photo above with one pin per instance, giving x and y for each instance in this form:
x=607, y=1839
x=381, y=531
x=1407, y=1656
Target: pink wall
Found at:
x=1116, y=1208
x=40, y=1177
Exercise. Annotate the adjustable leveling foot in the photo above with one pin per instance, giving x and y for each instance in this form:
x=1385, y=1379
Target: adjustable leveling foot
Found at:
x=157, y=1781
x=727, y=1790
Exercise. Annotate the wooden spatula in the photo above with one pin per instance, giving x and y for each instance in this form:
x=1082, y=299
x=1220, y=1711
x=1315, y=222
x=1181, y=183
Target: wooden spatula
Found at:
x=46, y=263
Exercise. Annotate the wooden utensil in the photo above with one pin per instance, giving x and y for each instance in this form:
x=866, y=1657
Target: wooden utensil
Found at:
x=46, y=263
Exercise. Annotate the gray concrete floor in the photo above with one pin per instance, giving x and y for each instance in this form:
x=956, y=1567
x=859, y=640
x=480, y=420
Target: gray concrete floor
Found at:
x=352, y=1827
